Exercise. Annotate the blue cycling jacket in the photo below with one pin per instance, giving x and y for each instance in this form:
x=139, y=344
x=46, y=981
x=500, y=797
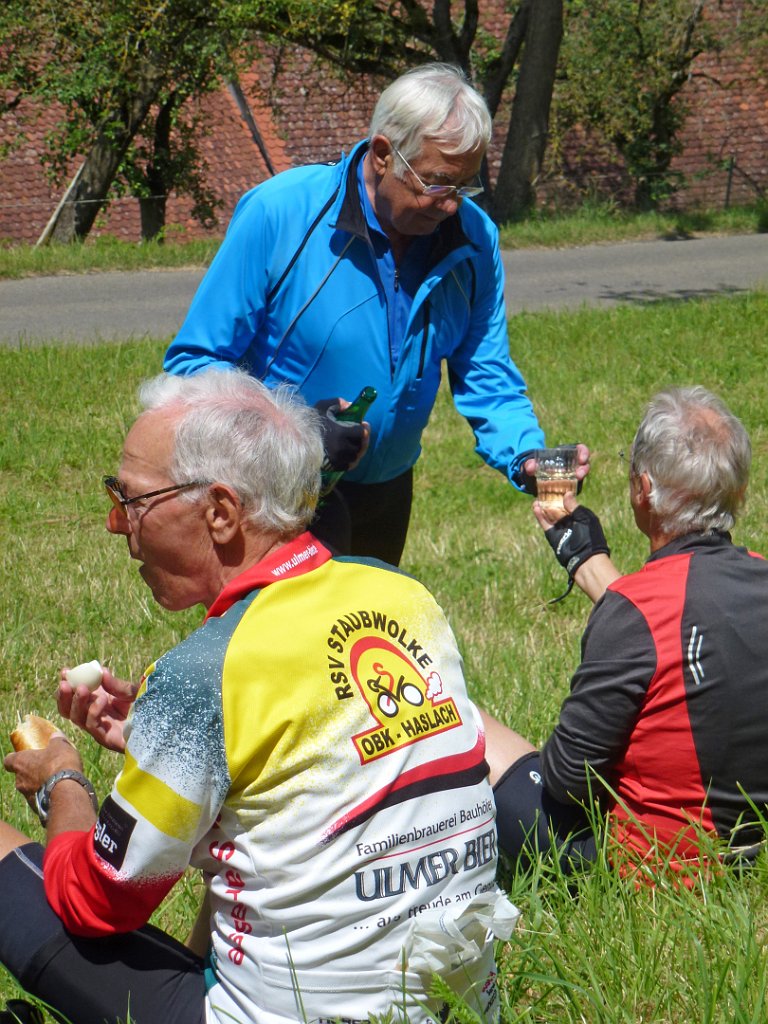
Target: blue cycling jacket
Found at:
x=294, y=295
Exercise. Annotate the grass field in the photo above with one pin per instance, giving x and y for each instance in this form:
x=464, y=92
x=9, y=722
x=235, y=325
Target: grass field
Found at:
x=604, y=222
x=596, y=952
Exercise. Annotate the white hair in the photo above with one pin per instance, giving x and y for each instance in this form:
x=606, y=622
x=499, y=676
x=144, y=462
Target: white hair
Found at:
x=434, y=102
x=697, y=455
x=264, y=443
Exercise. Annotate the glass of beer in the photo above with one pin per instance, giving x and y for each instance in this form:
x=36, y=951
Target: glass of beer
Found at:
x=555, y=475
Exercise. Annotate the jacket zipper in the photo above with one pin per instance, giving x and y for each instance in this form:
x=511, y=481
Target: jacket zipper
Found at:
x=424, y=338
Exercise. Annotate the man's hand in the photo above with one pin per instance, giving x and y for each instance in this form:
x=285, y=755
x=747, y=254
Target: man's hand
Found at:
x=548, y=516
x=529, y=469
x=103, y=712
x=579, y=544
x=345, y=443
x=574, y=538
x=33, y=767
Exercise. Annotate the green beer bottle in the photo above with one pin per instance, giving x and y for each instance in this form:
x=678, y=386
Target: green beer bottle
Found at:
x=354, y=413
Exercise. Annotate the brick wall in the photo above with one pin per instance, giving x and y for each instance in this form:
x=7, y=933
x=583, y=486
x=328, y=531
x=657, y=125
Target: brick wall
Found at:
x=728, y=121
x=234, y=161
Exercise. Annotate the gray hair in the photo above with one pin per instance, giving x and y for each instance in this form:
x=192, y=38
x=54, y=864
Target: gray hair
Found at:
x=435, y=102
x=697, y=455
x=264, y=443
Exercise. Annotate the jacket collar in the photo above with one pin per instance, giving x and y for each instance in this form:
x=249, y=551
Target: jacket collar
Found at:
x=300, y=555
x=692, y=541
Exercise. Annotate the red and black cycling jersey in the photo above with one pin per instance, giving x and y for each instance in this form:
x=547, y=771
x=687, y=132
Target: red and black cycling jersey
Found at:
x=668, y=704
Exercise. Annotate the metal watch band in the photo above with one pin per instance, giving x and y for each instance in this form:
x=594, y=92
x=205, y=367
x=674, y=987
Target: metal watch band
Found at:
x=43, y=795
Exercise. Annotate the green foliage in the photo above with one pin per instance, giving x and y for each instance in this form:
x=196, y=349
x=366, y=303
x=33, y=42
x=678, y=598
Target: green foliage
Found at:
x=100, y=59
x=751, y=31
x=359, y=35
x=624, y=64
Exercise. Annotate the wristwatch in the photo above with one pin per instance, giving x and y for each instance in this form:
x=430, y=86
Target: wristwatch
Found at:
x=43, y=795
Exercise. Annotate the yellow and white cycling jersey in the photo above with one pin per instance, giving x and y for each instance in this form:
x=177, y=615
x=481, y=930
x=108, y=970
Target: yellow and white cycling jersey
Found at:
x=312, y=749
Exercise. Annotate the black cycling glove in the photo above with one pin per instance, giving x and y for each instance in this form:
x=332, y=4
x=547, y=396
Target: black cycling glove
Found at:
x=341, y=441
x=576, y=537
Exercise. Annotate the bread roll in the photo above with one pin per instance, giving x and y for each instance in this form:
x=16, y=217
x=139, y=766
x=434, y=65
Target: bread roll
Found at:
x=33, y=733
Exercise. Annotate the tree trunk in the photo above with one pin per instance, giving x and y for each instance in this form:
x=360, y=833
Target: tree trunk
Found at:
x=498, y=71
x=77, y=215
x=526, y=139
x=152, y=206
x=152, y=210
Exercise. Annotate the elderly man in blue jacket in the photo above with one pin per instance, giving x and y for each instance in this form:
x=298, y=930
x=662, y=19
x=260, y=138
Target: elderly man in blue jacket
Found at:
x=371, y=272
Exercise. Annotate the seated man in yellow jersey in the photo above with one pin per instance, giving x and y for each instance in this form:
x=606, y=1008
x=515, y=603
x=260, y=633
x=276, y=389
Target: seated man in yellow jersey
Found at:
x=310, y=748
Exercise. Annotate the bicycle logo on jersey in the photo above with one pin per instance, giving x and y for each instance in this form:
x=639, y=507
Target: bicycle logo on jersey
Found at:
x=406, y=705
x=391, y=693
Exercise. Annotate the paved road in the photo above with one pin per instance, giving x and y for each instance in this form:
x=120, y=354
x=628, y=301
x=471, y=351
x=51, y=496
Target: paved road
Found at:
x=635, y=272
x=94, y=307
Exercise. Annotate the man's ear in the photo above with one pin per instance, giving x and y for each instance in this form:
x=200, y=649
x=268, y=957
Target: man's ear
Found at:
x=224, y=513
x=381, y=154
x=641, y=488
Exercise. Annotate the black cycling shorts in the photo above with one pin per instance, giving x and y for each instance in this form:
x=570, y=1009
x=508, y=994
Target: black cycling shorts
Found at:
x=367, y=520
x=145, y=976
x=530, y=823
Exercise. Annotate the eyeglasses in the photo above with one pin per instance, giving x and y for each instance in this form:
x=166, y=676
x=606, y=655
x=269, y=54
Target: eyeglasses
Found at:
x=437, y=191
x=115, y=491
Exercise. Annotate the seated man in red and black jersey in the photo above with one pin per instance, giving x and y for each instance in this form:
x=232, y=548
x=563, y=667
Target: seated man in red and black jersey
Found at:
x=662, y=722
